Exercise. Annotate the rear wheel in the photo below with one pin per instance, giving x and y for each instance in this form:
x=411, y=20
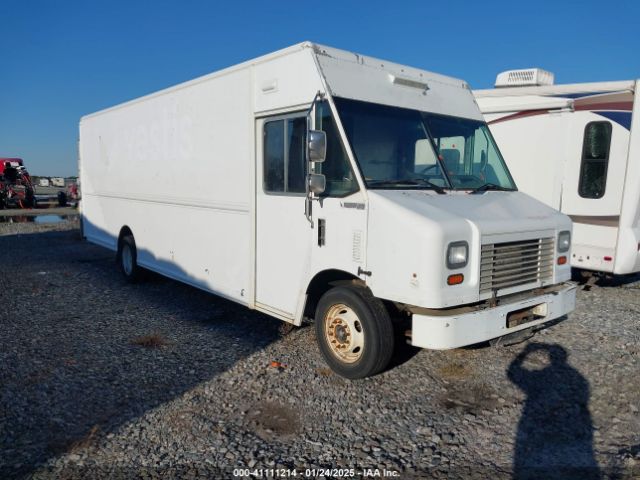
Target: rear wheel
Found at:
x=30, y=199
x=354, y=332
x=128, y=259
x=62, y=199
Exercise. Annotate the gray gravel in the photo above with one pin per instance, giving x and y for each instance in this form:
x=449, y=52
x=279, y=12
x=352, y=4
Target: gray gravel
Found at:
x=159, y=380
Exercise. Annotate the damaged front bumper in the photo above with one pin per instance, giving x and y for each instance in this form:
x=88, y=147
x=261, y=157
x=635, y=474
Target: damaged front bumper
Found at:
x=458, y=327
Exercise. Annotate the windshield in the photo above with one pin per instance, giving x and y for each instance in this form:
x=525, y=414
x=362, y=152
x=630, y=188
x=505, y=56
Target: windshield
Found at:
x=401, y=148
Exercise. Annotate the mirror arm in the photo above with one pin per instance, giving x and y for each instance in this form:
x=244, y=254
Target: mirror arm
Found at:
x=309, y=194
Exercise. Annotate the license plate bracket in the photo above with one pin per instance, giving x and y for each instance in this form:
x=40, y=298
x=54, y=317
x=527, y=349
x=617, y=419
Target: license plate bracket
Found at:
x=526, y=315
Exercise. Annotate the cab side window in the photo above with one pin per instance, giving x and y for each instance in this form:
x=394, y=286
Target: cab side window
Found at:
x=284, y=155
x=340, y=179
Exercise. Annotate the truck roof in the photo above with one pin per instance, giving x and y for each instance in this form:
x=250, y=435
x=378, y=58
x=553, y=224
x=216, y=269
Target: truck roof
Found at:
x=340, y=82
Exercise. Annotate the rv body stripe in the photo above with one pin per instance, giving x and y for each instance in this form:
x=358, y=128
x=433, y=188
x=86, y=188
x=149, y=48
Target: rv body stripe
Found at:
x=621, y=118
x=625, y=106
x=517, y=115
x=615, y=106
x=575, y=95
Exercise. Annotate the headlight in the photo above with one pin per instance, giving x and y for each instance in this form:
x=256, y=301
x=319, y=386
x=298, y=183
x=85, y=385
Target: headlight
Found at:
x=564, y=241
x=457, y=254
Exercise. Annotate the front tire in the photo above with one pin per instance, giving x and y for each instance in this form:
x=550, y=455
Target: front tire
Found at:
x=128, y=260
x=354, y=332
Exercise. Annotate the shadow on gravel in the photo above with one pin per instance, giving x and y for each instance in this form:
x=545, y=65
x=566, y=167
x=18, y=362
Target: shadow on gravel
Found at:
x=618, y=280
x=555, y=433
x=587, y=279
x=403, y=351
x=79, y=356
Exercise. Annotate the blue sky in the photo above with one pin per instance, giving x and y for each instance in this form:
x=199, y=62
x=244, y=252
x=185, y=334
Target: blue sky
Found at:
x=63, y=59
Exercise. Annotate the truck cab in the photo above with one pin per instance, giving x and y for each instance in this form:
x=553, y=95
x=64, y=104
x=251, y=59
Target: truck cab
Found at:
x=410, y=211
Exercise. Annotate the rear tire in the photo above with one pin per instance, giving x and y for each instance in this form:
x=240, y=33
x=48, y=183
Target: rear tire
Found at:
x=354, y=332
x=128, y=259
x=62, y=199
x=30, y=199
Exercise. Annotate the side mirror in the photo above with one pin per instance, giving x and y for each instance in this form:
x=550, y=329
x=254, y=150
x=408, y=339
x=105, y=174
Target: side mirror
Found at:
x=317, y=146
x=317, y=183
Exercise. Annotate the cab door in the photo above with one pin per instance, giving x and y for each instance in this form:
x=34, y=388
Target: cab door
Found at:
x=340, y=213
x=283, y=233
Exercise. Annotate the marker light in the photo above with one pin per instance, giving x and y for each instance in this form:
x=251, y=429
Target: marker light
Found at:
x=455, y=279
x=564, y=241
x=457, y=254
x=562, y=260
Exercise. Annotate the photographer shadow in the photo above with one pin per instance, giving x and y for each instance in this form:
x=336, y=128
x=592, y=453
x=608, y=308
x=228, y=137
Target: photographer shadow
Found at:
x=555, y=432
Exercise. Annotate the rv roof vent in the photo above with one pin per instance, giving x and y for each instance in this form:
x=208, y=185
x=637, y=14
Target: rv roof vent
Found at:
x=527, y=77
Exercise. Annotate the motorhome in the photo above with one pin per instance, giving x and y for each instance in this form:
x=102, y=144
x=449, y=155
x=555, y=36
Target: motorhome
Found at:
x=57, y=181
x=318, y=183
x=573, y=147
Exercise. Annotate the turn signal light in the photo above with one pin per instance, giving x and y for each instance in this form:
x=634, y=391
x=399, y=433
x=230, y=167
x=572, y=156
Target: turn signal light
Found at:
x=562, y=260
x=455, y=279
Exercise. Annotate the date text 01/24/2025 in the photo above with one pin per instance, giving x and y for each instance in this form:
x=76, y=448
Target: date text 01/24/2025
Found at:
x=315, y=472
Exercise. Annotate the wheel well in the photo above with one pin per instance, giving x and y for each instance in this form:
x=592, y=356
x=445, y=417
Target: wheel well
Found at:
x=323, y=282
x=124, y=232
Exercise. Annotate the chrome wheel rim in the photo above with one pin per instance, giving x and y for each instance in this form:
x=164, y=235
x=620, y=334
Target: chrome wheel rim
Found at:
x=344, y=333
x=127, y=259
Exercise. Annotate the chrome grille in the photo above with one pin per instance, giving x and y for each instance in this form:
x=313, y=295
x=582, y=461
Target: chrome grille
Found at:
x=506, y=265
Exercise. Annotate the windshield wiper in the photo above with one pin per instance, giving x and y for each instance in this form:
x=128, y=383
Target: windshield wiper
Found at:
x=412, y=182
x=491, y=186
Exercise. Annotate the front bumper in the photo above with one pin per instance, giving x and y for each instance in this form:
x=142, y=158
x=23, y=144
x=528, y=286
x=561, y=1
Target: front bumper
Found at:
x=442, y=329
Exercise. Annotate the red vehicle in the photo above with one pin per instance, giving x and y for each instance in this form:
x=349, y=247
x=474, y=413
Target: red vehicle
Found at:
x=16, y=188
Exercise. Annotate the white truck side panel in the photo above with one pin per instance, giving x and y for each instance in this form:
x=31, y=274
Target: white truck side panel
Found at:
x=177, y=170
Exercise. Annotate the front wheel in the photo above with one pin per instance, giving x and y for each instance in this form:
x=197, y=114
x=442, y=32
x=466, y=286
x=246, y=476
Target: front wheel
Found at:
x=354, y=332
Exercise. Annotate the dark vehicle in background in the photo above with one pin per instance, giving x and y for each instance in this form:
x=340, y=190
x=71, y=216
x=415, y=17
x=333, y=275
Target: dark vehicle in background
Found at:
x=16, y=188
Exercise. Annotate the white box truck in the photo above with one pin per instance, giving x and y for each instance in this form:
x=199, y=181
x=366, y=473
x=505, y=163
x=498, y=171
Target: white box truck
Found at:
x=575, y=147
x=314, y=182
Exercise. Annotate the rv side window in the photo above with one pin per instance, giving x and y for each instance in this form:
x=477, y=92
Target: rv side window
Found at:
x=595, y=160
x=284, y=155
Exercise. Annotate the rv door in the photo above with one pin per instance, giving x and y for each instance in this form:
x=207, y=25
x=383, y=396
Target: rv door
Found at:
x=593, y=186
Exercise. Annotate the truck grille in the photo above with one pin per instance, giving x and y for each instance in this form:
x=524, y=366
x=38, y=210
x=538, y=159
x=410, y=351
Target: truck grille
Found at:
x=506, y=265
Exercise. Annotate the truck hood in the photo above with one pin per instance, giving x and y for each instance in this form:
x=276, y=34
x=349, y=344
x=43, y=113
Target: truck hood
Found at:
x=491, y=212
x=409, y=232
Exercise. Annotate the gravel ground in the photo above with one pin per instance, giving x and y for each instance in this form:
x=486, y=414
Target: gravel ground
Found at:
x=159, y=380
